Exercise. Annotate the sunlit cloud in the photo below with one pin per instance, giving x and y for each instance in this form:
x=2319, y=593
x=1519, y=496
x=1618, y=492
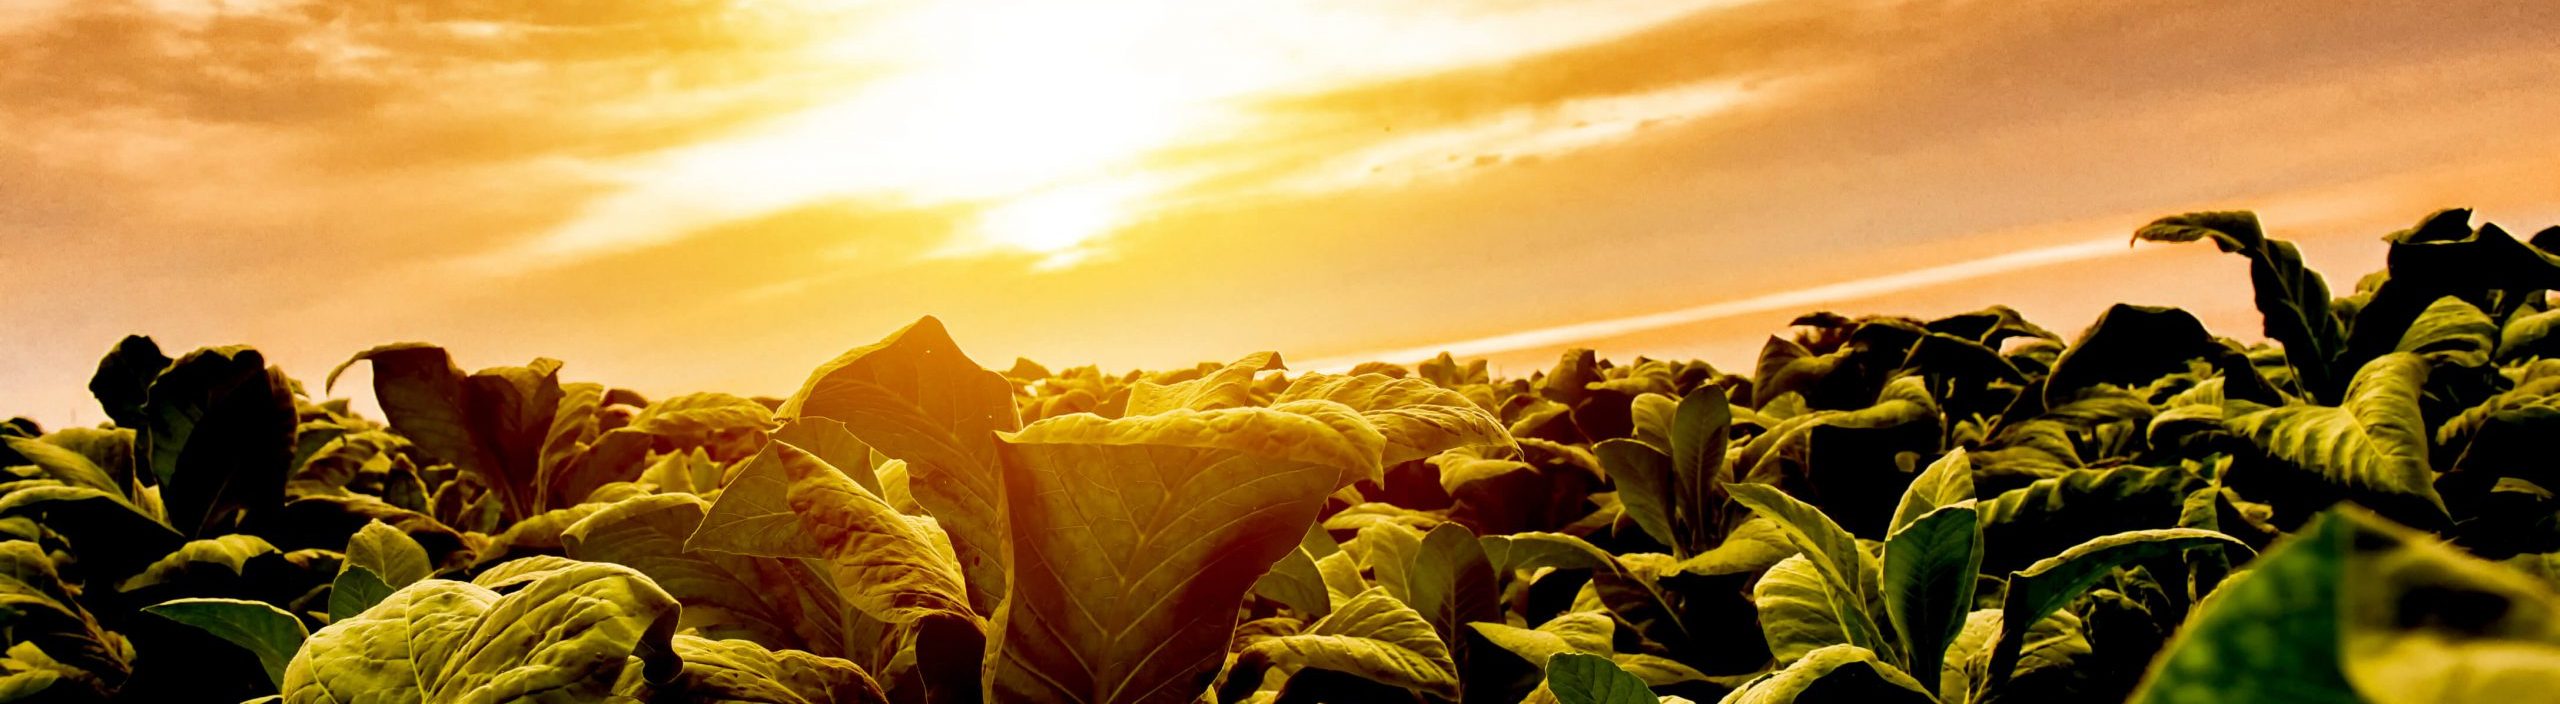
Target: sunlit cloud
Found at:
x=1796, y=299
x=1060, y=123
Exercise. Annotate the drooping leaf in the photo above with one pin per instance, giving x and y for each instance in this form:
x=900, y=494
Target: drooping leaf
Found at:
x=38, y=609
x=1373, y=636
x=2451, y=331
x=2373, y=449
x=229, y=554
x=565, y=633
x=2292, y=299
x=123, y=382
x=2051, y=583
x=2048, y=516
x=256, y=626
x=747, y=673
x=112, y=536
x=492, y=424
x=64, y=464
x=1230, y=386
x=1134, y=538
x=1839, y=673
x=914, y=397
x=1417, y=418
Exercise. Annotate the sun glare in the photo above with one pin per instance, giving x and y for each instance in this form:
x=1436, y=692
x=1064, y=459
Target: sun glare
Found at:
x=1050, y=125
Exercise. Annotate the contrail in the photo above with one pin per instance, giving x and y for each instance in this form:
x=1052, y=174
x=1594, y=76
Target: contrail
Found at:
x=1847, y=290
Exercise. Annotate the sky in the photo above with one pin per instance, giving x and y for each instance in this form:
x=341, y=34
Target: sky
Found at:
x=722, y=194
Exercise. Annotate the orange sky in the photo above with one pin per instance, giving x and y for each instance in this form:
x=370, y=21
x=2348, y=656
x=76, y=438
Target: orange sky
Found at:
x=721, y=194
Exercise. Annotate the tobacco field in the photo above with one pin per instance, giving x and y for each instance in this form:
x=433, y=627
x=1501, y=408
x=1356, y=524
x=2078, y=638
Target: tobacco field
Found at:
x=1880, y=509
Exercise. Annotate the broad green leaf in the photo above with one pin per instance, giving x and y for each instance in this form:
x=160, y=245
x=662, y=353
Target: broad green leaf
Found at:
x=1796, y=614
x=700, y=415
x=255, y=626
x=2451, y=331
x=786, y=602
x=1373, y=636
x=744, y=671
x=1653, y=414
x=1296, y=582
x=1753, y=546
x=2054, y=646
x=112, y=536
x=2292, y=299
x=835, y=445
x=391, y=554
x=789, y=503
x=2354, y=609
x=1230, y=386
x=219, y=437
x=565, y=633
x=1839, y=673
x=492, y=424
x=1700, y=432
x=1451, y=582
x=1416, y=418
x=914, y=397
x=2374, y=448
x=38, y=609
x=1576, y=678
x=1849, y=573
x=1386, y=552
x=356, y=589
x=1946, y=482
x=64, y=464
x=229, y=553
x=1530, y=551
x=1929, y=570
x=1643, y=477
x=1135, y=538
x=2048, y=516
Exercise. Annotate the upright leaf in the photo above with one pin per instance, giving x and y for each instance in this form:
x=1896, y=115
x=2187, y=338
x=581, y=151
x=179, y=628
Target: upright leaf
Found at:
x=219, y=437
x=789, y=503
x=1134, y=539
x=1848, y=572
x=1929, y=570
x=915, y=397
x=1576, y=678
x=785, y=602
x=1700, y=432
